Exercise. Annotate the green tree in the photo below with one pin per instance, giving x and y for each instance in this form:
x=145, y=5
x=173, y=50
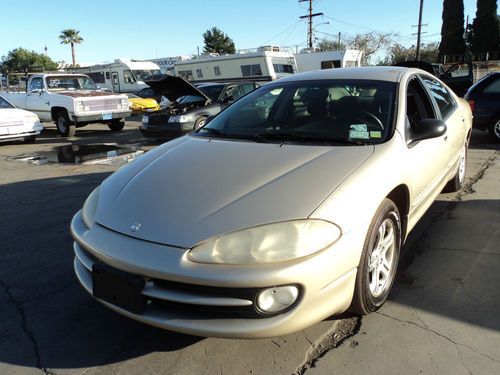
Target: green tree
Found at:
x=485, y=27
x=398, y=53
x=218, y=42
x=22, y=60
x=72, y=37
x=452, y=29
x=330, y=45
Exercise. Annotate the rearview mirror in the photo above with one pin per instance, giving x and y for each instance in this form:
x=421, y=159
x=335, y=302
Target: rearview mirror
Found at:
x=428, y=128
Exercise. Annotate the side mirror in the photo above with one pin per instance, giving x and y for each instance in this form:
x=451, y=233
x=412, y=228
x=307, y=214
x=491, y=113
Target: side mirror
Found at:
x=427, y=129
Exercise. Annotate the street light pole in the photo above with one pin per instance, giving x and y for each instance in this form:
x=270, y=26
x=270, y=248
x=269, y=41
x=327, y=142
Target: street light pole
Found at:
x=310, y=27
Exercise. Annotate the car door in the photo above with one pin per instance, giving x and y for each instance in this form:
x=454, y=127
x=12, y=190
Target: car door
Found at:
x=449, y=112
x=38, y=100
x=427, y=159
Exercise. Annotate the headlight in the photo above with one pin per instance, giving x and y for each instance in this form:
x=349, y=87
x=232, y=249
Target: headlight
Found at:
x=268, y=243
x=124, y=103
x=79, y=106
x=30, y=120
x=181, y=118
x=90, y=207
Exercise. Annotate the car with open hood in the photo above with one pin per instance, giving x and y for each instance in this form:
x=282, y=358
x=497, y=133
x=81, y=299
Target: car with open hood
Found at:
x=289, y=206
x=190, y=105
x=18, y=124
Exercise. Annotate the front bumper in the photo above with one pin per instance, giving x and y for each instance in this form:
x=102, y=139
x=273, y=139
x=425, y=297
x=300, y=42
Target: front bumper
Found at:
x=166, y=131
x=99, y=117
x=326, y=282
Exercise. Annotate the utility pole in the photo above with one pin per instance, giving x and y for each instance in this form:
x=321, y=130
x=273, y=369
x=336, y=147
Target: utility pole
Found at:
x=310, y=17
x=419, y=32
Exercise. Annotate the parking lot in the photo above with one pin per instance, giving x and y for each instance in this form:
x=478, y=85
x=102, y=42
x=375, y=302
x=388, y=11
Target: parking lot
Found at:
x=442, y=317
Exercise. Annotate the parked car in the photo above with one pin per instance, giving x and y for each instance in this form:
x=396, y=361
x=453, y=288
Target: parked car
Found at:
x=190, y=105
x=140, y=105
x=459, y=80
x=484, y=99
x=149, y=93
x=289, y=206
x=71, y=101
x=17, y=123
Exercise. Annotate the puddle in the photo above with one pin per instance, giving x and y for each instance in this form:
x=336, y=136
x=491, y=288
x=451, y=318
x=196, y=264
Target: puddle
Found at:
x=85, y=154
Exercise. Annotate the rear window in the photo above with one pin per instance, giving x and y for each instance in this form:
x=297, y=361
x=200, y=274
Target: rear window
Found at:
x=493, y=87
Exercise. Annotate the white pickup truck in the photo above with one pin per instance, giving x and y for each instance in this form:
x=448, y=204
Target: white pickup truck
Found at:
x=71, y=101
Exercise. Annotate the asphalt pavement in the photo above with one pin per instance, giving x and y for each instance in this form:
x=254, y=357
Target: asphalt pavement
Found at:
x=442, y=317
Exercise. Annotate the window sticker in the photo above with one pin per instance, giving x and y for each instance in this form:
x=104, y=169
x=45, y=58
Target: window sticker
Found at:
x=359, y=127
x=375, y=134
x=355, y=134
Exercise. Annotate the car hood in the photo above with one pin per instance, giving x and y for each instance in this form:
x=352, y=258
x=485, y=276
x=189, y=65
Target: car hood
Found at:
x=174, y=88
x=193, y=188
x=9, y=116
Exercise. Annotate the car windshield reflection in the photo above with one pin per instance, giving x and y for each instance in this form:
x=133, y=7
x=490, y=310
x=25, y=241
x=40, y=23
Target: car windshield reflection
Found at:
x=335, y=111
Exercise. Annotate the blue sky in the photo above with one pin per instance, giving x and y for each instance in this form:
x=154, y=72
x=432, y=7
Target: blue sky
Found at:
x=147, y=29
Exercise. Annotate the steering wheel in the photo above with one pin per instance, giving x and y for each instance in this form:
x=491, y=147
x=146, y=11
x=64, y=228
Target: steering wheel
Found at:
x=360, y=116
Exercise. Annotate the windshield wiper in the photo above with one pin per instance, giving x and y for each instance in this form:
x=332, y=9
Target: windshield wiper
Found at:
x=287, y=136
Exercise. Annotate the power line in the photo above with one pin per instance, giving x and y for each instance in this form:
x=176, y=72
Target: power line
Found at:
x=310, y=17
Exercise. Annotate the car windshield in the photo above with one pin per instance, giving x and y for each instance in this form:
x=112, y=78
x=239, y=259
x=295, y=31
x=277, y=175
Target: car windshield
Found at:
x=5, y=104
x=212, y=91
x=64, y=83
x=327, y=112
x=144, y=74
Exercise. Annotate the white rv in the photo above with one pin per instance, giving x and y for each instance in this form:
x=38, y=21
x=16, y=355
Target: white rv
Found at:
x=258, y=65
x=121, y=76
x=311, y=60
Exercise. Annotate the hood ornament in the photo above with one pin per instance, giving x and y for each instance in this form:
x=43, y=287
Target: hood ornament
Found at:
x=135, y=227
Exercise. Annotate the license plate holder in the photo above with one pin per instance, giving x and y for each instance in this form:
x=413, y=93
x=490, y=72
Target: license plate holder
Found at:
x=118, y=287
x=107, y=116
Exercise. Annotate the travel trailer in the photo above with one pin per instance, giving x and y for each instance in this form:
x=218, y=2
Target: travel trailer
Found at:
x=308, y=60
x=123, y=75
x=263, y=64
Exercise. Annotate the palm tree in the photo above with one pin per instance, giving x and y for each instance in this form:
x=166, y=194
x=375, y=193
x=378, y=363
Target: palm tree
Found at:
x=71, y=36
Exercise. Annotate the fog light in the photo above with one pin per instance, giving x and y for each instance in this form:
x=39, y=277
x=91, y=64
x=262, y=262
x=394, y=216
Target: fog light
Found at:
x=277, y=299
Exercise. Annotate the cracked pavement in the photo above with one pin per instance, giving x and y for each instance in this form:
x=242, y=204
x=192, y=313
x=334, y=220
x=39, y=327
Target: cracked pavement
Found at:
x=442, y=316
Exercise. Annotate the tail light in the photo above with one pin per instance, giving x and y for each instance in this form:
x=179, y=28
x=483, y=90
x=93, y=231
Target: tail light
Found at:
x=472, y=104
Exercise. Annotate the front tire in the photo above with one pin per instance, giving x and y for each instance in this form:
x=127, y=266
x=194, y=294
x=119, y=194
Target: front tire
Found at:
x=494, y=128
x=116, y=125
x=200, y=121
x=64, y=126
x=379, y=260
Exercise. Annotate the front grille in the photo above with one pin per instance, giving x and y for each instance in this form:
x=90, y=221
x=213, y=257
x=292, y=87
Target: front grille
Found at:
x=103, y=104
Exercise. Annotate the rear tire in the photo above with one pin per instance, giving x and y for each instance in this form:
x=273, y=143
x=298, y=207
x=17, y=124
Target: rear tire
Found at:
x=379, y=260
x=494, y=128
x=457, y=182
x=64, y=126
x=116, y=125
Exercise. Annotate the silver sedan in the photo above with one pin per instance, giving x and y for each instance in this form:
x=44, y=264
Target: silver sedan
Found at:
x=289, y=206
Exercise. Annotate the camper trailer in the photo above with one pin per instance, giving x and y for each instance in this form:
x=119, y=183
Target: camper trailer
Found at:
x=263, y=64
x=308, y=60
x=123, y=75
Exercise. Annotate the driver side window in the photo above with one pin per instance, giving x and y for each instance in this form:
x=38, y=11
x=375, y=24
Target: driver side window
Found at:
x=418, y=107
x=36, y=84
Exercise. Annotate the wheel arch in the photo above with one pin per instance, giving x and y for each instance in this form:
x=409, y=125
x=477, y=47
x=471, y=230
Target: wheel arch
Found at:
x=55, y=110
x=400, y=195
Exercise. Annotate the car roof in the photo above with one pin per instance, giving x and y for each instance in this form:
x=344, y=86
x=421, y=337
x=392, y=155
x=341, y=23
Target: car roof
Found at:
x=381, y=73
